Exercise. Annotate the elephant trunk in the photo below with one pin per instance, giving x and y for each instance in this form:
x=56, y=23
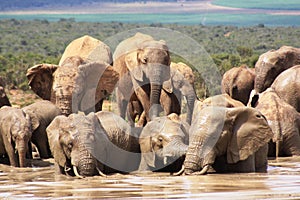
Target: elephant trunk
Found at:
x=86, y=163
x=64, y=102
x=22, y=149
x=190, y=106
x=174, y=150
x=196, y=159
x=154, y=100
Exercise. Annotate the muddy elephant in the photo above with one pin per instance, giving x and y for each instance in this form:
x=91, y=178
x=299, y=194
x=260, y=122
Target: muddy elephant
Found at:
x=284, y=121
x=19, y=126
x=238, y=82
x=143, y=65
x=44, y=111
x=228, y=140
x=95, y=144
x=272, y=63
x=74, y=86
x=182, y=85
x=287, y=85
x=163, y=143
x=78, y=83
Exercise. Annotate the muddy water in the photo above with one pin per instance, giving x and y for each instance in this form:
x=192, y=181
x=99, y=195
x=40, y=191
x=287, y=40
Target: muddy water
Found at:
x=40, y=182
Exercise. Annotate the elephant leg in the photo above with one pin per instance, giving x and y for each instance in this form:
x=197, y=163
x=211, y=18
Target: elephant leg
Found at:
x=261, y=159
x=243, y=166
x=98, y=106
x=145, y=101
x=40, y=140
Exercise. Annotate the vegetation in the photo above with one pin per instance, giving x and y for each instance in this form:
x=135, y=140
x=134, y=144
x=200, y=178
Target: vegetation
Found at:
x=26, y=43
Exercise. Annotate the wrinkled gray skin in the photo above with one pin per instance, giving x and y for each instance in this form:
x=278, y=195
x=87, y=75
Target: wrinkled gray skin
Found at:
x=142, y=63
x=15, y=130
x=227, y=139
x=287, y=86
x=284, y=121
x=163, y=143
x=93, y=144
x=74, y=86
x=45, y=112
x=20, y=126
x=170, y=99
x=272, y=63
x=238, y=82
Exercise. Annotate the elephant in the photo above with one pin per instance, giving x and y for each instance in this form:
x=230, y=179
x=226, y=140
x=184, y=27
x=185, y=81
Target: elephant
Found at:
x=163, y=143
x=238, y=82
x=287, y=85
x=228, y=140
x=4, y=101
x=44, y=111
x=284, y=121
x=20, y=126
x=80, y=82
x=143, y=65
x=74, y=86
x=272, y=63
x=182, y=86
x=222, y=100
x=95, y=144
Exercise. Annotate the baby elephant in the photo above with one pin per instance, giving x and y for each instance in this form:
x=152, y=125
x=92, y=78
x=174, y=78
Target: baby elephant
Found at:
x=20, y=126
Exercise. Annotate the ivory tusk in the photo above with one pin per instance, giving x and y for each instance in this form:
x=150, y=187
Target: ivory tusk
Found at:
x=180, y=172
x=100, y=172
x=203, y=171
x=76, y=172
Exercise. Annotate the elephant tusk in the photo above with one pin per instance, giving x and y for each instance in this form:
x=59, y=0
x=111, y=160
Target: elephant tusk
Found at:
x=180, y=172
x=203, y=171
x=165, y=160
x=100, y=172
x=76, y=172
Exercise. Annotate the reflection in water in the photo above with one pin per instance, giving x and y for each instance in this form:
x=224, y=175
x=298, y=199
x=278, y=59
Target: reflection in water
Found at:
x=282, y=181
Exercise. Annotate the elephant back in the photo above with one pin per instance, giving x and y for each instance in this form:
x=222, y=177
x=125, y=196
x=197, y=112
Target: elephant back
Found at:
x=89, y=49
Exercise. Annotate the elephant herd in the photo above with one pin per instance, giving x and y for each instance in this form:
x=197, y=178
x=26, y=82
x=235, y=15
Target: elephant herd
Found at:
x=256, y=117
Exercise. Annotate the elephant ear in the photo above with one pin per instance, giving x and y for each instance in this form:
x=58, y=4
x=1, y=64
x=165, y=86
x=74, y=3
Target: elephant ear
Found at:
x=53, y=138
x=40, y=79
x=132, y=61
x=250, y=131
x=32, y=117
x=100, y=80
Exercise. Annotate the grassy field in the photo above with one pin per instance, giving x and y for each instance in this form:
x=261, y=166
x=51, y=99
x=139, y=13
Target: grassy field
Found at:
x=259, y=4
x=190, y=19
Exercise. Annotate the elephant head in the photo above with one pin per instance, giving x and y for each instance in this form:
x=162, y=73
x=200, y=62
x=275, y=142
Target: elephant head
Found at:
x=163, y=144
x=272, y=63
x=146, y=62
x=16, y=130
x=75, y=85
x=87, y=145
x=235, y=133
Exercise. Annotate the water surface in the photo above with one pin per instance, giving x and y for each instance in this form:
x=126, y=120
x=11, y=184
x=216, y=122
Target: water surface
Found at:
x=40, y=182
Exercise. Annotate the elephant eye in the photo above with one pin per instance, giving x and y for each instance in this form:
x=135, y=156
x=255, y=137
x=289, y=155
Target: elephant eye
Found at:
x=70, y=145
x=144, y=60
x=160, y=139
x=258, y=116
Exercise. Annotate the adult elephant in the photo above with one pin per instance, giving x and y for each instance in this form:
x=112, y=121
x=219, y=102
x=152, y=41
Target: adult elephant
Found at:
x=74, y=86
x=228, y=140
x=143, y=65
x=284, y=121
x=287, y=85
x=163, y=143
x=44, y=111
x=19, y=125
x=182, y=85
x=4, y=101
x=272, y=63
x=94, y=144
x=79, y=83
x=238, y=82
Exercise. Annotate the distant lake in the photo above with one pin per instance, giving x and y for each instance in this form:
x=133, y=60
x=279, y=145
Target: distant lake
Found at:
x=188, y=19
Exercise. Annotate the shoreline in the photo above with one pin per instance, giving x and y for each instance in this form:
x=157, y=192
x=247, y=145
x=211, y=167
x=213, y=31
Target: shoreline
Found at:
x=191, y=7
